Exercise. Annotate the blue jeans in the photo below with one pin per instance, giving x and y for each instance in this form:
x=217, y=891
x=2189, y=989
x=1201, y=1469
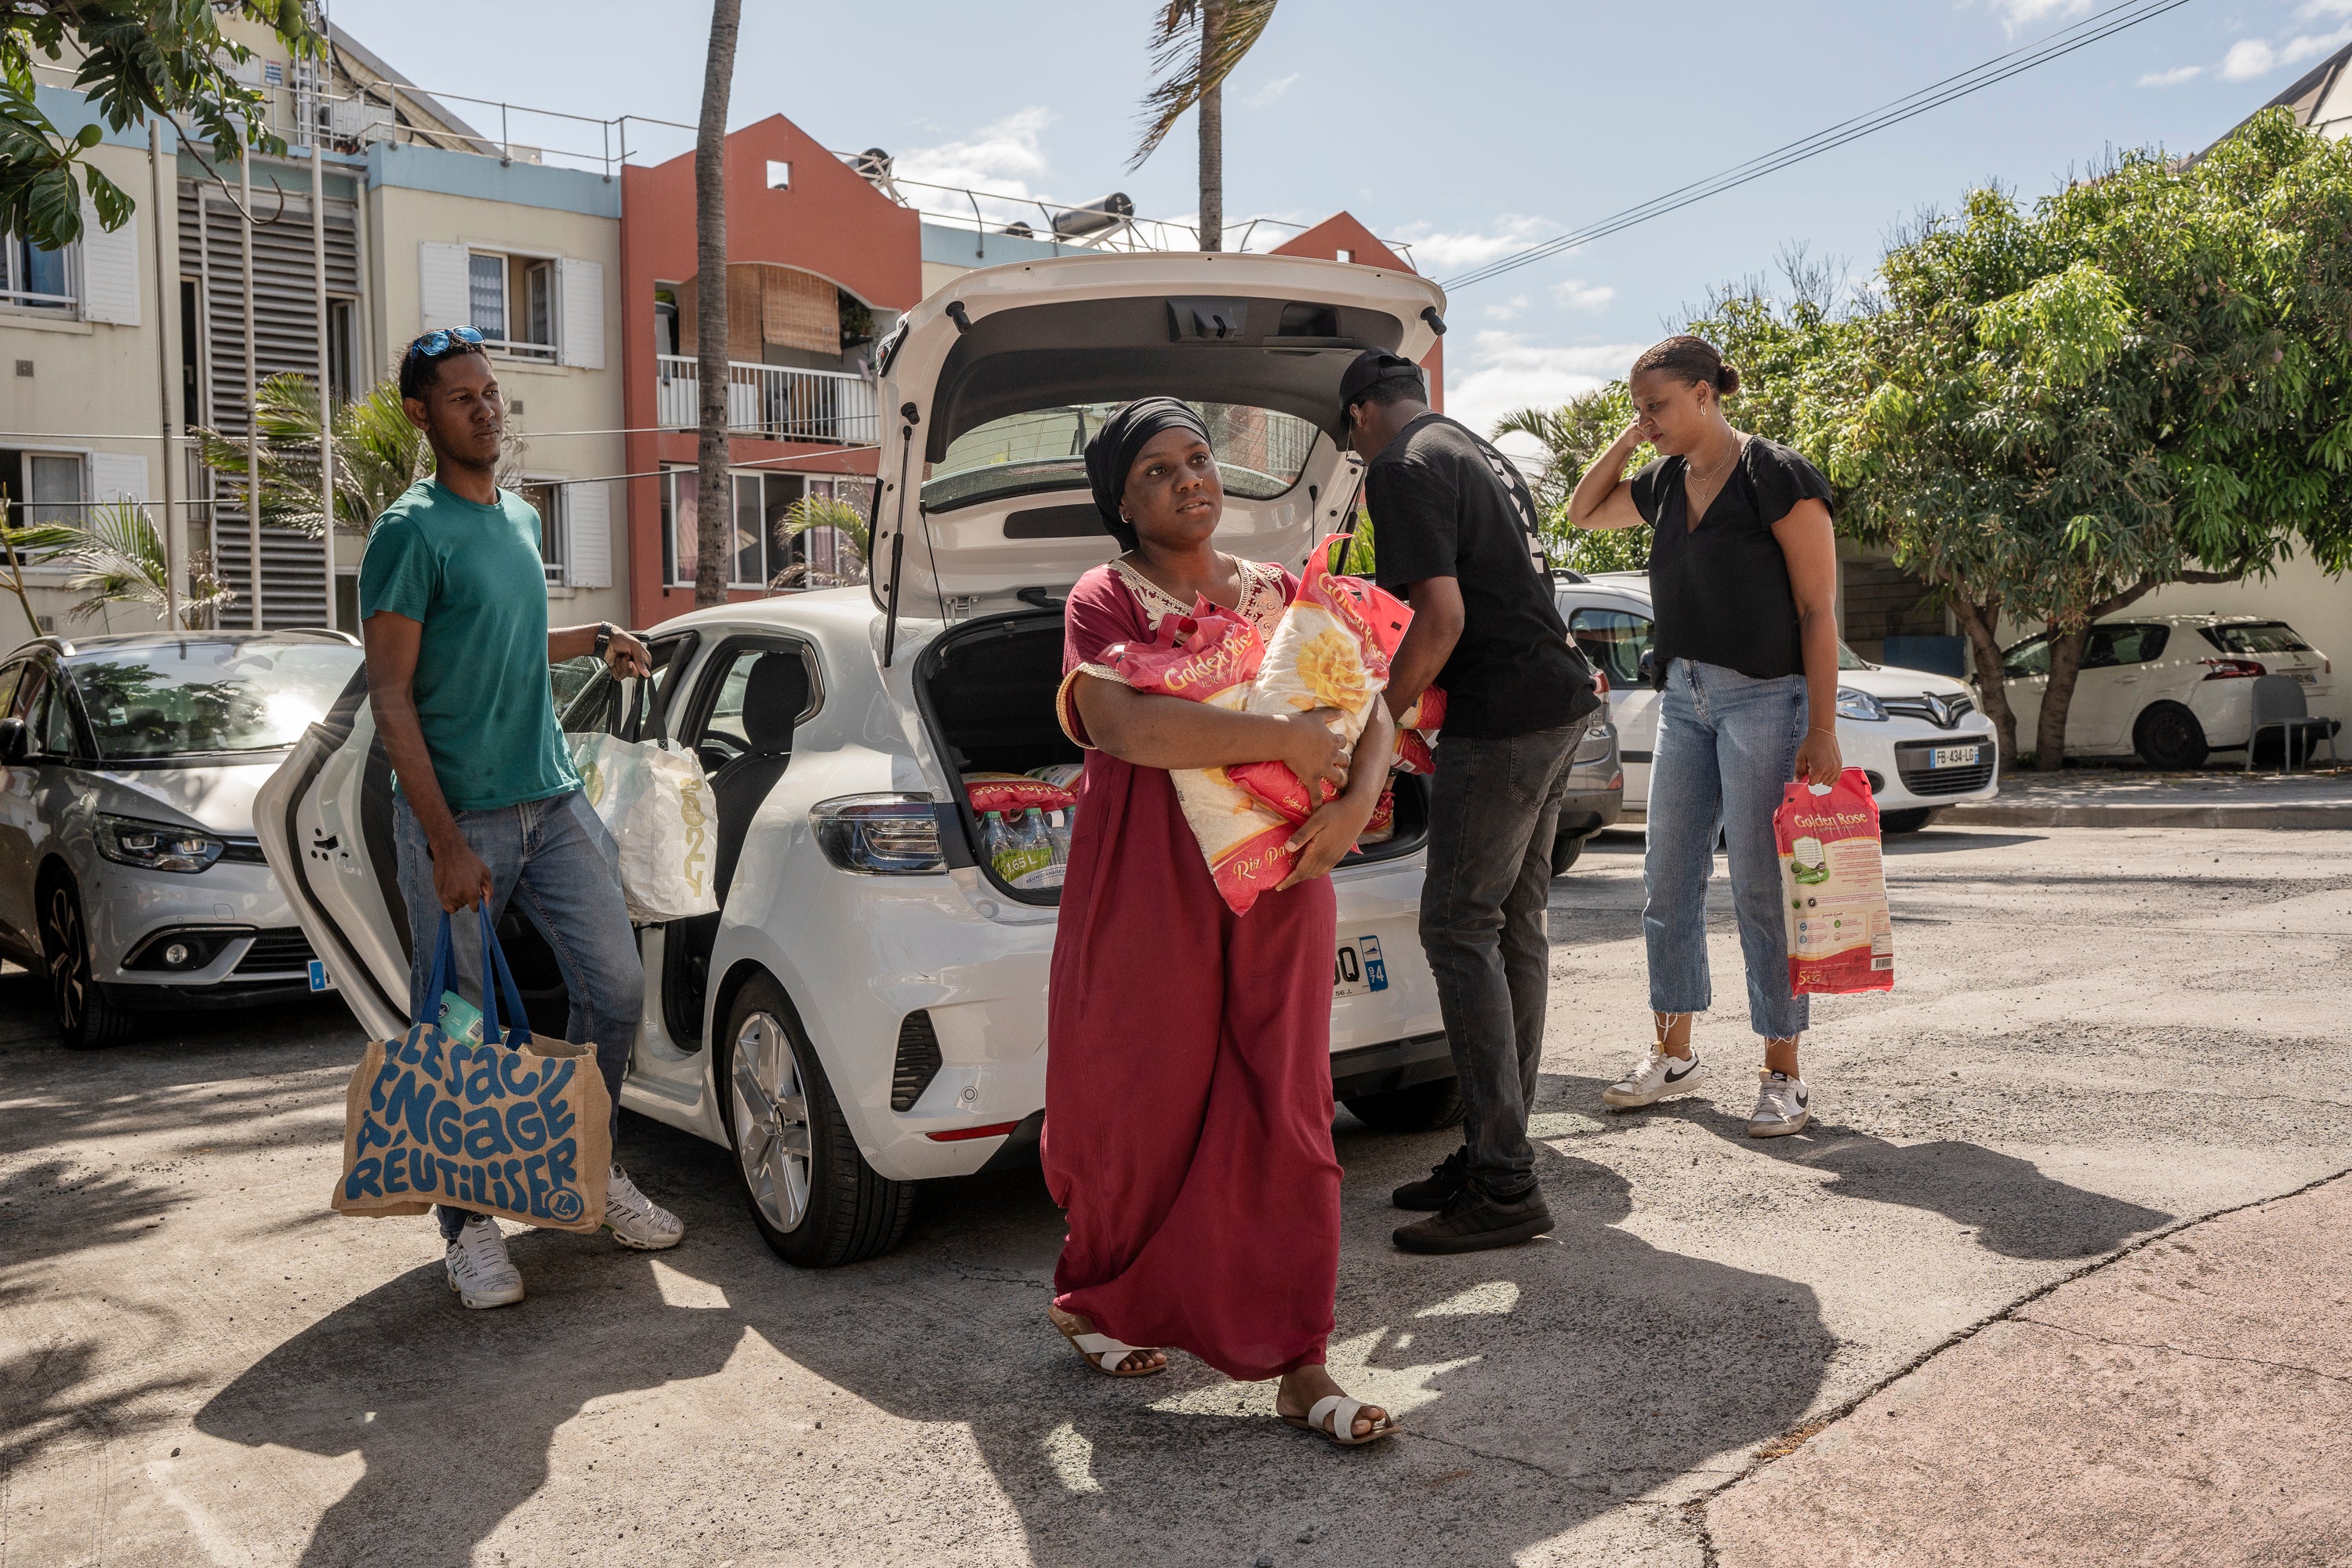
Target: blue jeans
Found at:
x=556, y=856
x=1727, y=747
x=1494, y=809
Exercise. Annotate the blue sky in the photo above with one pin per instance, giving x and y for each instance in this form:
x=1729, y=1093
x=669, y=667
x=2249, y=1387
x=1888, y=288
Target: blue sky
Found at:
x=1467, y=128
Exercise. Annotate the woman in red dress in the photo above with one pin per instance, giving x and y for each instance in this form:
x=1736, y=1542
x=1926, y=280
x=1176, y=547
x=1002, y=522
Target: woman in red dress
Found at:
x=1188, y=1079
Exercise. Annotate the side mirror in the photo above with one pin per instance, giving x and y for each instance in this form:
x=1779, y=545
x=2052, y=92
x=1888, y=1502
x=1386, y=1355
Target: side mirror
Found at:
x=15, y=741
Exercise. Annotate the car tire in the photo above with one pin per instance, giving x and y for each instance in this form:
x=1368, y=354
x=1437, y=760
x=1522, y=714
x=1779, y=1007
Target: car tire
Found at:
x=86, y=1019
x=843, y=1211
x=2167, y=736
x=1418, y=1108
x=1905, y=821
x=1566, y=850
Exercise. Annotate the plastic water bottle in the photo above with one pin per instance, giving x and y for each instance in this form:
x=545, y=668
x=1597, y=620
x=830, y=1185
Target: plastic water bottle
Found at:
x=1037, y=838
x=996, y=845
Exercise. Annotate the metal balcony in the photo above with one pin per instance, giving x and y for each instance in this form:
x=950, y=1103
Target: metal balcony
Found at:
x=773, y=402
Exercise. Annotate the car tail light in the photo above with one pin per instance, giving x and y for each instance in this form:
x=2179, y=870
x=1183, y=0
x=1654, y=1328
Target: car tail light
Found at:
x=2230, y=668
x=1601, y=684
x=879, y=834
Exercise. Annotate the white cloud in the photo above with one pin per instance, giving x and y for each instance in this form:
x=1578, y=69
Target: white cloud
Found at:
x=2251, y=58
x=1497, y=372
x=2324, y=8
x=1271, y=90
x=1435, y=254
x=2172, y=78
x=2016, y=13
x=1509, y=310
x=1005, y=157
x=1577, y=295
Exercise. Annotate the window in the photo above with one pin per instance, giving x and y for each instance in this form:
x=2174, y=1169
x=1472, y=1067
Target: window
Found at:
x=2030, y=658
x=31, y=278
x=205, y=697
x=342, y=319
x=759, y=549
x=54, y=725
x=43, y=487
x=2257, y=638
x=1613, y=641
x=724, y=733
x=546, y=498
x=510, y=301
x=780, y=175
x=2108, y=647
x=1260, y=453
x=623, y=708
x=1347, y=255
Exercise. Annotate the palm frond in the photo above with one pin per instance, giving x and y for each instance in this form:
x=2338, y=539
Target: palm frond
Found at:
x=848, y=524
x=378, y=454
x=1177, y=57
x=117, y=557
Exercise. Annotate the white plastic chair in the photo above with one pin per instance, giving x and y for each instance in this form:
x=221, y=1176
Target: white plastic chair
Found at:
x=2278, y=705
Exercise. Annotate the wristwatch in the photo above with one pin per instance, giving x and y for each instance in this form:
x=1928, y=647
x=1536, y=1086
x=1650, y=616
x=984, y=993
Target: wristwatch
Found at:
x=604, y=630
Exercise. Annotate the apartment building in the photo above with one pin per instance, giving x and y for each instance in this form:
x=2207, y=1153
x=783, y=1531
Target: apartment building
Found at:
x=119, y=347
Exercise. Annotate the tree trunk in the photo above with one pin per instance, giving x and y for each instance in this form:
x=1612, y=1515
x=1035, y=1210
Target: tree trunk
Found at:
x=1213, y=132
x=714, y=492
x=2065, y=663
x=1981, y=624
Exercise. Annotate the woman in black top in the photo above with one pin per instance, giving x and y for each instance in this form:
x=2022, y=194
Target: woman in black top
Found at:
x=1743, y=579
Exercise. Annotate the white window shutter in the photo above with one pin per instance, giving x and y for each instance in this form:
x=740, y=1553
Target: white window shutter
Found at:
x=588, y=529
x=581, y=328
x=442, y=296
x=118, y=475
x=109, y=269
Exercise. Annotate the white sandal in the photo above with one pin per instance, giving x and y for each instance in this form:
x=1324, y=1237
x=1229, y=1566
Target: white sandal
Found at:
x=1104, y=1353
x=1340, y=1428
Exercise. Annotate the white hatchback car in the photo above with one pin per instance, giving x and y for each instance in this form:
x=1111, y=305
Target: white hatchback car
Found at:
x=1917, y=734
x=2167, y=689
x=867, y=1007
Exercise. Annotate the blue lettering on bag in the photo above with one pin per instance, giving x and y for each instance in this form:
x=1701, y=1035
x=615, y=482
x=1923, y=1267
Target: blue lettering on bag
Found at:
x=412, y=1102
x=385, y=1077
x=483, y=1081
x=514, y=1083
x=428, y=1055
x=373, y=1134
x=534, y=1172
x=484, y=1135
x=562, y=1163
x=367, y=1179
x=441, y=1122
x=551, y=1105
x=525, y=1125
x=395, y=1172
x=453, y=1082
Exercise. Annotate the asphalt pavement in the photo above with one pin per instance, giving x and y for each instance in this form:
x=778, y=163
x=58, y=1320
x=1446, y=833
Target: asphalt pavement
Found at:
x=2097, y=1038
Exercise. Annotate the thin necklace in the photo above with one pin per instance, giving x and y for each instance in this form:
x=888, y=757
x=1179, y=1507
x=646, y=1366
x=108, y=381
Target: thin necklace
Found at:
x=1704, y=475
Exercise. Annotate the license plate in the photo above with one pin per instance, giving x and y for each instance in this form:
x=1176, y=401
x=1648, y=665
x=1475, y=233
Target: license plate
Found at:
x=1359, y=968
x=319, y=981
x=2306, y=676
x=1953, y=756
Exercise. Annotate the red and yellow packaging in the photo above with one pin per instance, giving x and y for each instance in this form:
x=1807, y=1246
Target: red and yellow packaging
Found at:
x=1834, y=888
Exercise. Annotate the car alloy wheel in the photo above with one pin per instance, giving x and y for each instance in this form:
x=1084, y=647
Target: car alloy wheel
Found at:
x=771, y=1124
x=68, y=956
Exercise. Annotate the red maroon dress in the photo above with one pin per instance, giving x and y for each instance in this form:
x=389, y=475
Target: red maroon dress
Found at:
x=1188, y=1077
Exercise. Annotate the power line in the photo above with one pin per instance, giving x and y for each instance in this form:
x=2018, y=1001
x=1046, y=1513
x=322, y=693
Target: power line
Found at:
x=2092, y=29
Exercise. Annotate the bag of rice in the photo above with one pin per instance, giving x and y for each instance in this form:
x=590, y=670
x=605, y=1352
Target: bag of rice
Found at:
x=1211, y=656
x=1840, y=936
x=1061, y=776
x=1331, y=650
x=1013, y=794
x=1382, y=826
x=1417, y=734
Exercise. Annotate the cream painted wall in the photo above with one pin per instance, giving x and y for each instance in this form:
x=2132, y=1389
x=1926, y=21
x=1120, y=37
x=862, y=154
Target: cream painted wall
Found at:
x=555, y=398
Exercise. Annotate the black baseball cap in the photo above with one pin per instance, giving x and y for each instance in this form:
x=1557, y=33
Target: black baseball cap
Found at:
x=1370, y=368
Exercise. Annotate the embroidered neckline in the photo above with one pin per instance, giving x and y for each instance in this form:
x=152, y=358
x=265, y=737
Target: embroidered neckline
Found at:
x=1261, y=579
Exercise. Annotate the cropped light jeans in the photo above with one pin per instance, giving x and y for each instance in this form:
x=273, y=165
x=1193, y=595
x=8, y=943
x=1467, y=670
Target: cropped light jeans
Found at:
x=559, y=859
x=1727, y=747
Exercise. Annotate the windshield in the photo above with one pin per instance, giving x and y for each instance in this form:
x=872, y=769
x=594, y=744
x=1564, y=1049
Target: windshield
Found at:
x=183, y=698
x=1849, y=659
x=2260, y=636
x=1260, y=453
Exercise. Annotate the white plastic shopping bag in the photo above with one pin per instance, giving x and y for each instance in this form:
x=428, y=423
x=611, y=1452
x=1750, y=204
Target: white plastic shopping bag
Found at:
x=653, y=798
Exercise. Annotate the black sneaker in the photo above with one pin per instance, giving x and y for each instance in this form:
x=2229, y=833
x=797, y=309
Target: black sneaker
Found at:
x=1435, y=1191
x=1473, y=1222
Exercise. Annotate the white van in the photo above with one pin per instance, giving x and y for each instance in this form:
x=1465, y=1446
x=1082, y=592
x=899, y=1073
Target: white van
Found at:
x=867, y=1010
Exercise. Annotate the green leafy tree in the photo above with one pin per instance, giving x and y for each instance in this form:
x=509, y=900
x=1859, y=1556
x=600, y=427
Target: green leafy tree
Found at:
x=1573, y=435
x=131, y=58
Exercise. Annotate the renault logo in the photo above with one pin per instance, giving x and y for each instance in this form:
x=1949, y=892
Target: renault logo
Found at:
x=1941, y=710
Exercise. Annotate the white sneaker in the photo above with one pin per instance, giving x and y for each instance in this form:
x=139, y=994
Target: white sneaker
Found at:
x=1784, y=1105
x=635, y=1220
x=1654, y=1078
x=478, y=1268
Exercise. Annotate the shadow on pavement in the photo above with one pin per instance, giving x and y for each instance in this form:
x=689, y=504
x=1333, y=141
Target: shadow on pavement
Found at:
x=1542, y=1387
x=1950, y=840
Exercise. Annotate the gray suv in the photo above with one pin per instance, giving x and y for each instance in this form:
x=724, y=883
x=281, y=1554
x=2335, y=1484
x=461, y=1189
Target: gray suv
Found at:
x=129, y=875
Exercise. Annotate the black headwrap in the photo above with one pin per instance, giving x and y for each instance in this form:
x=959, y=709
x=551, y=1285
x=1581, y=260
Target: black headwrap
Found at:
x=1114, y=448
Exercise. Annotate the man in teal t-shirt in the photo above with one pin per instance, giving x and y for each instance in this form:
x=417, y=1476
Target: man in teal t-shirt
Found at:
x=453, y=606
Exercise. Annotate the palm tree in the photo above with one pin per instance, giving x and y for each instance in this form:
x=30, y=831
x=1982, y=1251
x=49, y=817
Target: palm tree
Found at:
x=1197, y=44
x=714, y=503
x=378, y=454
x=1573, y=436
x=117, y=557
x=850, y=539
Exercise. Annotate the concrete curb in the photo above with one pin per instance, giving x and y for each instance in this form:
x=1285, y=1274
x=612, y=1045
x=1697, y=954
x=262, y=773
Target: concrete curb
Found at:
x=2055, y=814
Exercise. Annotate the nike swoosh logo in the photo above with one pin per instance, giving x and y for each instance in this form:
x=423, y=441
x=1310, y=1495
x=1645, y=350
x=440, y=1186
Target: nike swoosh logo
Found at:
x=1688, y=1068
x=1803, y=1100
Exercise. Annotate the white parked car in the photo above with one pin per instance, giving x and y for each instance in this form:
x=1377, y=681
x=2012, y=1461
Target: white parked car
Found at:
x=1917, y=734
x=2167, y=689
x=868, y=1008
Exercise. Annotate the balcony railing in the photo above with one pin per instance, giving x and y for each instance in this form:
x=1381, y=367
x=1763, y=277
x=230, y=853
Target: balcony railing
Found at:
x=772, y=400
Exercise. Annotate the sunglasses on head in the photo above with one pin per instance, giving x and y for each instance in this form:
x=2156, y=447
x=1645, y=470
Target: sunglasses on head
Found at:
x=445, y=340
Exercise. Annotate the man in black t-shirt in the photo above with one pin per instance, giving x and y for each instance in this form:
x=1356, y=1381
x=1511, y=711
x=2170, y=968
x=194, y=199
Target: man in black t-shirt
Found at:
x=1455, y=532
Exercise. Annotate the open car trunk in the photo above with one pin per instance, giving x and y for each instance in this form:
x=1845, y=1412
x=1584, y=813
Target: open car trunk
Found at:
x=986, y=691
